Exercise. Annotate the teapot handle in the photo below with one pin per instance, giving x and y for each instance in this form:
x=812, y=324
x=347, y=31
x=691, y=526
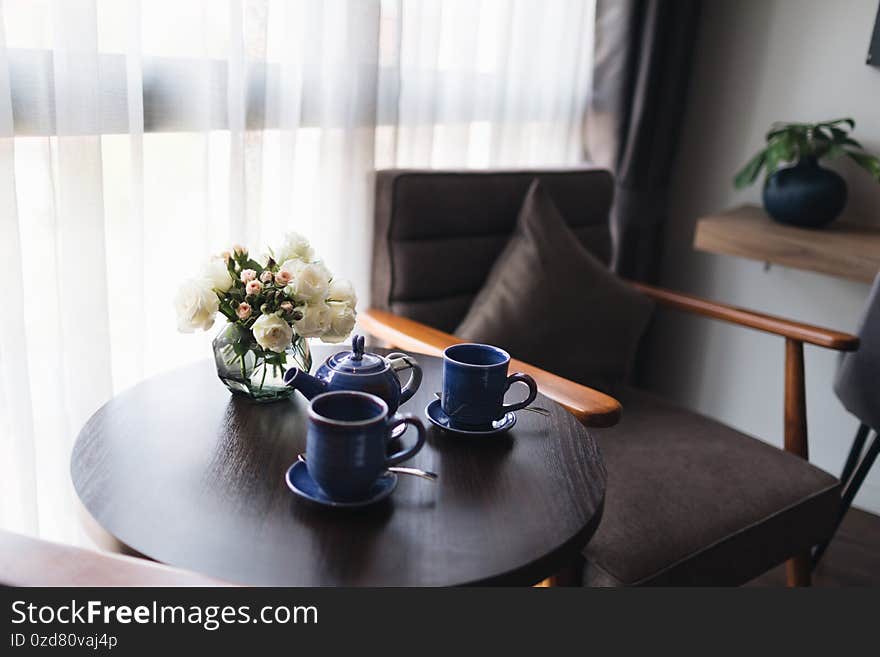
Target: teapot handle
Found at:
x=401, y=361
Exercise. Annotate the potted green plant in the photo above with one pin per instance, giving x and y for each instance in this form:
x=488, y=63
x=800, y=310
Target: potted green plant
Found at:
x=806, y=194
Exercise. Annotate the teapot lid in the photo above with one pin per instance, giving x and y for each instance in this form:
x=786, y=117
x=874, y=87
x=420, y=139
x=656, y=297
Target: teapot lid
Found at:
x=356, y=361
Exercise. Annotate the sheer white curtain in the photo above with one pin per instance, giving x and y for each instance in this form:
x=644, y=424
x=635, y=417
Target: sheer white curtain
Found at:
x=138, y=136
x=484, y=83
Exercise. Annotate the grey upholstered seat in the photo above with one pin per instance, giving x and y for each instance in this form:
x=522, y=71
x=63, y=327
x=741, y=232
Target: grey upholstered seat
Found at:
x=689, y=500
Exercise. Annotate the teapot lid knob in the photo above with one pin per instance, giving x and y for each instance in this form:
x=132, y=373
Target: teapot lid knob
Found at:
x=357, y=347
x=357, y=361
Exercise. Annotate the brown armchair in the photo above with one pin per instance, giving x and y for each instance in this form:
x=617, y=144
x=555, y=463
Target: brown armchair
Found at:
x=690, y=501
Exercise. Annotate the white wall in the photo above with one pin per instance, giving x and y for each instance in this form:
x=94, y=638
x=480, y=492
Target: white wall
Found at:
x=759, y=61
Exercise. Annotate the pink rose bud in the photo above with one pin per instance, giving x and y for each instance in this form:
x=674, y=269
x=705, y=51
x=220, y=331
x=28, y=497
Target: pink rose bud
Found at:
x=226, y=255
x=253, y=287
x=238, y=249
x=287, y=306
x=248, y=275
x=243, y=311
x=266, y=276
x=283, y=277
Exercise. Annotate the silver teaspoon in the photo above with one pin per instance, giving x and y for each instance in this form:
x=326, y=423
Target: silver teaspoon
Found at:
x=415, y=472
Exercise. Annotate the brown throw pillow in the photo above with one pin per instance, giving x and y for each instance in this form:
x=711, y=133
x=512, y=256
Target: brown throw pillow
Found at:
x=551, y=303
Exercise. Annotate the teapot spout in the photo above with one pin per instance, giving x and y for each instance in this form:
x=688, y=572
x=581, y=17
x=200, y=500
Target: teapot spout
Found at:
x=308, y=385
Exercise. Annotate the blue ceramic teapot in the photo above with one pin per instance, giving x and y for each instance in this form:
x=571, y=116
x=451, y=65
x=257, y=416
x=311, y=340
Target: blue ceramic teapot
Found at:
x=356, y=370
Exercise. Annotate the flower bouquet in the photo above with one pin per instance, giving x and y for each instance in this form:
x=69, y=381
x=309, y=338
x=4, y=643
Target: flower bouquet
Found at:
x=272, y=305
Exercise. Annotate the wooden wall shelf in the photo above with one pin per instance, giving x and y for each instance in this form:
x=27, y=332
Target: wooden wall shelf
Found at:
x=842, y=249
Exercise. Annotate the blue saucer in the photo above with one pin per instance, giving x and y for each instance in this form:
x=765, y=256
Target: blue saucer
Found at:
x=435, y=414
x=300, y=482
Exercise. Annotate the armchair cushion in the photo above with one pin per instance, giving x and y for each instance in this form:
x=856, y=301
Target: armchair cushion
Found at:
x=550, y=302
x=691, y=501
x=437, y=233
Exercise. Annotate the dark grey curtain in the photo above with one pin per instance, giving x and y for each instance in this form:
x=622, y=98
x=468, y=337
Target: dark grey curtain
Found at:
x=642, y=63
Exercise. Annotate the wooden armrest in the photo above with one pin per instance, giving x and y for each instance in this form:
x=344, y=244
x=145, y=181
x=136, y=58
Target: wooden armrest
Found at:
x=816, y=335
x=26, y=561
x=795, y=410
x=591, y=407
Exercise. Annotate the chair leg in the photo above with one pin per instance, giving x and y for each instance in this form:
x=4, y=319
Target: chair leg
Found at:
x=797, y=570
x=852, y=485
x=861, y=472
x=855, y=452
x=795, y=428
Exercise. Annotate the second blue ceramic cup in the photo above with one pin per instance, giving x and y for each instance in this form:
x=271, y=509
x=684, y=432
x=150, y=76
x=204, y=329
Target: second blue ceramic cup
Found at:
x=347, y=439
x=474, y=382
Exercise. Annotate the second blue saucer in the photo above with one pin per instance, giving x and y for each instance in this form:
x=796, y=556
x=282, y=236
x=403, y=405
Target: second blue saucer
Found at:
x=437, y=416
x=300, y=482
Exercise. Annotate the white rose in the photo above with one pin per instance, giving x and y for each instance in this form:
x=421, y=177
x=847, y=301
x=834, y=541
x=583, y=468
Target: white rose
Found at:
x=341, y=289
x=294, y=247
x=309, y=282
x=272, y=333
x=217, y=275
x=196, y=304
x=342, y=318
x=315, y=320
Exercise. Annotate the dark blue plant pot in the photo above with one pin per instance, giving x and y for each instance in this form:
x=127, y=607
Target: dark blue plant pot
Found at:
x=805, y=195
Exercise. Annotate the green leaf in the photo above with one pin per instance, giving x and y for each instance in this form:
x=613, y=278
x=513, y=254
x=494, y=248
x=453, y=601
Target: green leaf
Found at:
x=787, y=142
x=869, y=163
x=834, y=151
x=750, y=171
x=799, y=129
x=784, y=148
x=851, y=122
x=836, y=134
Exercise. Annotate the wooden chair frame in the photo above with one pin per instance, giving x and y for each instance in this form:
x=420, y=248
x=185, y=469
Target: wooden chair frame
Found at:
x=596, y=409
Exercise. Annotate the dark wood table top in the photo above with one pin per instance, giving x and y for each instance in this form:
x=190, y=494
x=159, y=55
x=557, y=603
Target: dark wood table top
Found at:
x=184, y=473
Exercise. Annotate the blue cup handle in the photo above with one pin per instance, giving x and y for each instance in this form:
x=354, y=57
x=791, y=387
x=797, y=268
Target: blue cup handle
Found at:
x=408, y=453
x=400, y=361
x=533, y=391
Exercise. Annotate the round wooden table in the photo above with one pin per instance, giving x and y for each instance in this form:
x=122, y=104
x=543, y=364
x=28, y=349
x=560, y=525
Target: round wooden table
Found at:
x=187, y=474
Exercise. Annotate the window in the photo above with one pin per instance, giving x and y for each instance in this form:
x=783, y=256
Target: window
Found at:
x=138, y=136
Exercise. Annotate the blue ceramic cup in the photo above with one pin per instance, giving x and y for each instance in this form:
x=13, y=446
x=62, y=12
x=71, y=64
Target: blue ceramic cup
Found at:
x=474, y=382
x=346, y=442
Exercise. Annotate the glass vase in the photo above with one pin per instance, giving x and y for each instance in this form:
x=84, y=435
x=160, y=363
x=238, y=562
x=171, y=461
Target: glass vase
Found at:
x=249, y=370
